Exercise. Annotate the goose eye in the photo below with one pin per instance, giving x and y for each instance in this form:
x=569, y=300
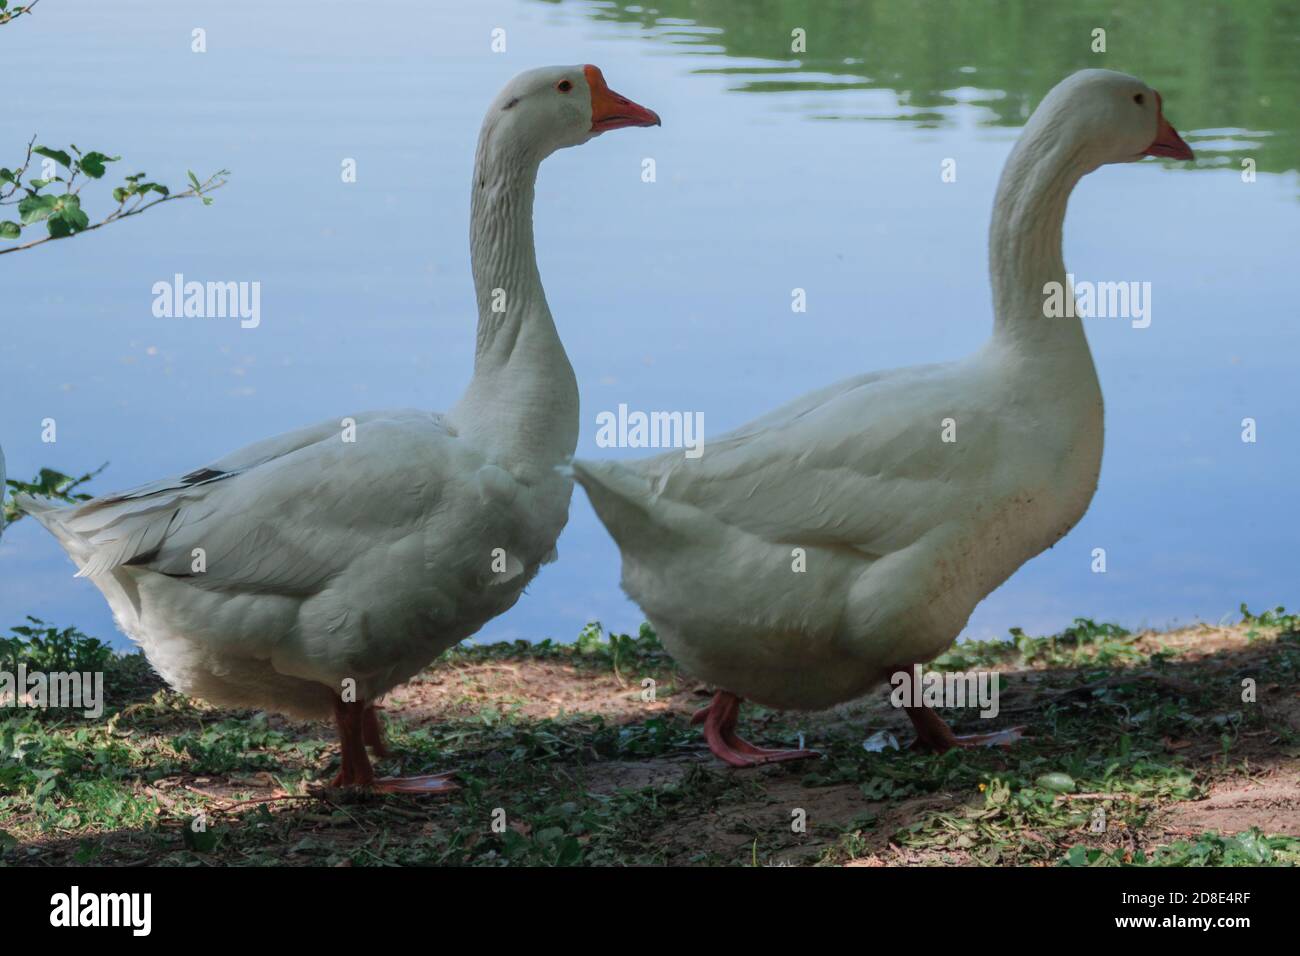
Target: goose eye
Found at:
x=1138, y=98
x=564, y=86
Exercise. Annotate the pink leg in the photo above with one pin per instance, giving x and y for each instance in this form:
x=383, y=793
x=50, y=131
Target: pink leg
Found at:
x=933, y=734
x=719, y=719
x=359, y=725
x=355, y=770
x=373, y=732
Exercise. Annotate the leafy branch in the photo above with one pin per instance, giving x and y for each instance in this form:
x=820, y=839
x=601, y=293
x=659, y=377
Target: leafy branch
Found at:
x=7, y=14
x=61, y=211
x=51, y=484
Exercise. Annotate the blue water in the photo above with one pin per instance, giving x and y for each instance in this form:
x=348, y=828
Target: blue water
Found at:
x=669, y=295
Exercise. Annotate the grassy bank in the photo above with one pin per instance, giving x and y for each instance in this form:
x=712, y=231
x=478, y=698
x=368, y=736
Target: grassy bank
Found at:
x=1142, y=750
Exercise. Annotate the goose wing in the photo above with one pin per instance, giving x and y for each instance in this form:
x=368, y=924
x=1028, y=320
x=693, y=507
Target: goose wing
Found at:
x=862, y=464
x=283, y=515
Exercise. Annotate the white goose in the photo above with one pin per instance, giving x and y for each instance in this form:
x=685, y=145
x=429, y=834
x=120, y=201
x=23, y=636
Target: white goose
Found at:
x=903, y=533
x=311, y=574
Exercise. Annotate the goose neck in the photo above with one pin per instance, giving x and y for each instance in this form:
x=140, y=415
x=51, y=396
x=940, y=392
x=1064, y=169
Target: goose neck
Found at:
x=1025, y=241
x=522, y=402
x=507, y=285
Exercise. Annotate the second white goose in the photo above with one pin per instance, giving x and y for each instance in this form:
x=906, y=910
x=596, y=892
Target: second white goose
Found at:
x=901, y=533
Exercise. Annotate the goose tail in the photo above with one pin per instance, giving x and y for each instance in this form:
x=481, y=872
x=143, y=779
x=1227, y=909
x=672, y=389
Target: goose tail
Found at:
x=120, y=592
x=40, y=507
x=50, y=513
x=625, y=502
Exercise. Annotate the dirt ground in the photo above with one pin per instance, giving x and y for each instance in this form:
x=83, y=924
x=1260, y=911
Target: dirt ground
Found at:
x=562, y=760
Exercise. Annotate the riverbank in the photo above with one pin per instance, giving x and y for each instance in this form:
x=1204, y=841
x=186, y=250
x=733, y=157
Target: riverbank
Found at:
x=1141, y=748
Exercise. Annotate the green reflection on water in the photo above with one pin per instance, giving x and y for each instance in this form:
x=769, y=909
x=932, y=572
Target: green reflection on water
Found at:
x=1230, y=70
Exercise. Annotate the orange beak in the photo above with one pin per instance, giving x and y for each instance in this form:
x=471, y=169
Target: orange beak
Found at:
x=1167, y=143
x=611, y=111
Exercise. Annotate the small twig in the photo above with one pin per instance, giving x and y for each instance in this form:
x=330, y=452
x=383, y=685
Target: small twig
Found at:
x=18, y=174
x=228, y=808
x=283, y=796
x=17, y=12
x=82, y=480
x=11, y=512
x=201, y=793
x=171, y=803
x=1096, y=796
x=124, y=213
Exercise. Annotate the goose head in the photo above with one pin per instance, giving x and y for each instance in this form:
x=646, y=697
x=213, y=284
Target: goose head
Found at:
x=1101, y=116
x=543, y=110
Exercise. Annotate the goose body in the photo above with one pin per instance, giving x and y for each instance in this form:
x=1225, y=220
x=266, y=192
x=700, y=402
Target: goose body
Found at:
x=849, y=534
x=271, y=576
x=840, y=537
x=313, y=572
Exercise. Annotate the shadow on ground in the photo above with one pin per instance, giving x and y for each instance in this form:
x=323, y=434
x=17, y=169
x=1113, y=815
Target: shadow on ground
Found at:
x=1143, y=748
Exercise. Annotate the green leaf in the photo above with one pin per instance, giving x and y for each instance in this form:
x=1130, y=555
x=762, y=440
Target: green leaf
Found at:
x=57, y=155
x=10, y=230
x=72, y=214
x=201, y=841
x=35, y=208
x=7, y=175
x=120, y=193
x=1059, y=782
x=92, y=164
x=194, y=180
x=58, y=227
